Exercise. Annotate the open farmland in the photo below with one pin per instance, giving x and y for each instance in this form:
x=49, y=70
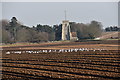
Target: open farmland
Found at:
x=99, y=64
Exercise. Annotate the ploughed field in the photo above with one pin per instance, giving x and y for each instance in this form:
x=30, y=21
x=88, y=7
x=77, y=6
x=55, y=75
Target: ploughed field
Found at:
x=78, y=65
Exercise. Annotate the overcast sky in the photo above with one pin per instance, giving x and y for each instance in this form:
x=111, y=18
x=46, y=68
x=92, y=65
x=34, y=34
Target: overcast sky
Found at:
x=33, y=13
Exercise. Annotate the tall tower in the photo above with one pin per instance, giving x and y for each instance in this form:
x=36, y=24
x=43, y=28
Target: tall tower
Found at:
x=65, y=29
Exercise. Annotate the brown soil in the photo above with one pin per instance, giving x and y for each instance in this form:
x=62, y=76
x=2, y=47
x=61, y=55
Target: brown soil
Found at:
x=95, y=65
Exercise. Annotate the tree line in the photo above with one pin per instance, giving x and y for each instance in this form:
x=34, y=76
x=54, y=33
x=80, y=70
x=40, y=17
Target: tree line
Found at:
x=15, y=32
x=112, y=28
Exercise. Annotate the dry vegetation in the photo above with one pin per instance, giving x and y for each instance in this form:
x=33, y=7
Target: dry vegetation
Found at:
x=110, y=35
x=74, y=65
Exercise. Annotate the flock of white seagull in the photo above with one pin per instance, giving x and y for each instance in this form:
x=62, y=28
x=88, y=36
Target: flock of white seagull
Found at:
x=57, y=51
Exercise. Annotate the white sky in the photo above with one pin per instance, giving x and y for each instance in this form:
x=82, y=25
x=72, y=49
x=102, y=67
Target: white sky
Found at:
x=33, y=13
x=59, y=0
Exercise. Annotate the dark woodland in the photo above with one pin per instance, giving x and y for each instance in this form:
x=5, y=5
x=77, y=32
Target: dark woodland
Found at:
x=15, y=32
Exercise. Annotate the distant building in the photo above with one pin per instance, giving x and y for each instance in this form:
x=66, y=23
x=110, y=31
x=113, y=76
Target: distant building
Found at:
x=73, y=36
x=66, y=31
